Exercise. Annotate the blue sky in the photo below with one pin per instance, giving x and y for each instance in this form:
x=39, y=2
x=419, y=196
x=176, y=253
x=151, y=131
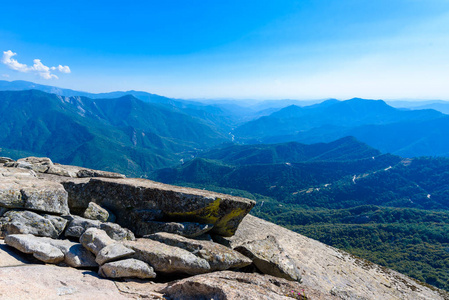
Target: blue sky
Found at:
x=315, y=49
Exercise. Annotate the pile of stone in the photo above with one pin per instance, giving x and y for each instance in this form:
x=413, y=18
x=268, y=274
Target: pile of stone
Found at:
x=90, y=219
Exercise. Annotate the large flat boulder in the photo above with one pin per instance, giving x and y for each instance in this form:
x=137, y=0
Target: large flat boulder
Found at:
x=167, y=259
x=127, y=198
x=218, y=256
x=34, y=194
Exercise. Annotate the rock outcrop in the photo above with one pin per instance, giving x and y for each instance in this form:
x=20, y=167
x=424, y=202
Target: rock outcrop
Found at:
x=28, y=192
x=218, y=256
x=331, y=270
x=46, y=208
x=131, y=198
x=269, y=257
x=167, y=259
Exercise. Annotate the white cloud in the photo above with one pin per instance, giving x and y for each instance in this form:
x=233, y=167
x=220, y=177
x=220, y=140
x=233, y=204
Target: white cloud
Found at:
x=38, y=67
x=12, y=63
x=5, y=75
x=64, y=69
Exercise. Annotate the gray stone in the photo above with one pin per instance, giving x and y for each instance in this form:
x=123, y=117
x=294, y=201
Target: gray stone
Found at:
x=80, y=257
x=167, y=259
x=58, y=222
x=128, y=268
x=82, y=173
x=17, y=173
x=27, y=222
x=78, y=225
x=95, y=239
x=129, y=197
x=32, y=193
x=218, y=256
x=187, y=229
x=37, y=164
x=30, y=244
x=43, y=248
x=21, y=165
x=75, y=255
x=62, y=171
x=113, y=252
x=270, y=258
x=96, y=212
x=79, y=172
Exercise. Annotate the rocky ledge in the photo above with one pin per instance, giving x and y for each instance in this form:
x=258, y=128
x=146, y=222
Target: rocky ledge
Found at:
x=65, y=228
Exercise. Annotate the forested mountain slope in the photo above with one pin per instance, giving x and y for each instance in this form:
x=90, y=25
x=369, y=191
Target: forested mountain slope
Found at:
x=123, y=134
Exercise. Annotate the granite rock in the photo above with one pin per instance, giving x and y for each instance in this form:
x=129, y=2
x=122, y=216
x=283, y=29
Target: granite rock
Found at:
x=167, y=259
x=113, y=252
x=34, y=194
x=27, y=222
x=95, y=240
x=30, y=244
x=126, y=198
x=270, y=258
x=127, y=268
x=218, y=256
x=96, y=212
x=78, y=225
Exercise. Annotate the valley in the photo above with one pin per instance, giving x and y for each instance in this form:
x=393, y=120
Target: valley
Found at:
x=359, y=175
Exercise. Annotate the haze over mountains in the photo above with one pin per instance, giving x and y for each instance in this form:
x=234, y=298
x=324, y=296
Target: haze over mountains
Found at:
x=153, y=123
x=391, y=130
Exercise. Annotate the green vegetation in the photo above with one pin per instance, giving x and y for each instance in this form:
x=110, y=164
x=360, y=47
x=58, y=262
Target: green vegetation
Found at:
x=388, y=210
x=412, y=241
x=123, y=135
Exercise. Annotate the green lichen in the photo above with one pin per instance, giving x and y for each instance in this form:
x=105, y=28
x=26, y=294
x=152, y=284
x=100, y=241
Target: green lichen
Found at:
x=223, y=224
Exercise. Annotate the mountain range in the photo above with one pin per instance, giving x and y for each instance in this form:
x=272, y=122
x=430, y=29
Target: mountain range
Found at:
x=121, y=134
x=384, y=208
x=401, y=131
x=407, y=133
x=348, y=173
